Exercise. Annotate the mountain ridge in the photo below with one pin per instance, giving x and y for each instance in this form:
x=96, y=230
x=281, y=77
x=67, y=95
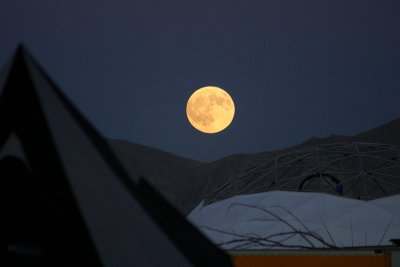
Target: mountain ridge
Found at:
x=185, y=182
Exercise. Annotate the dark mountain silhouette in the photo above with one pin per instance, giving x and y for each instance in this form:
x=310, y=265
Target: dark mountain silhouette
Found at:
x=175, y=177
x=186, y=182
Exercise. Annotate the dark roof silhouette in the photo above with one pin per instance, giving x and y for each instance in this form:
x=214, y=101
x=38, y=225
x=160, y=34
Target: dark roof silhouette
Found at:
x=87, y=209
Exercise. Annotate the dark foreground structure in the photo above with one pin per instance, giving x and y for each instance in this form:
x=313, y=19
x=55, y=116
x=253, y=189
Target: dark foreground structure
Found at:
x=65, y=200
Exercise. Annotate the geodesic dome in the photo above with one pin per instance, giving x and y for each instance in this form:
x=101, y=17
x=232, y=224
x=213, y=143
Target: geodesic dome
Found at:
x=356, y=170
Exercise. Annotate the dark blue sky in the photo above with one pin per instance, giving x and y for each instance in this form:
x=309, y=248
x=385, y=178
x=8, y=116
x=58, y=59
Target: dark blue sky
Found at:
x=296, y=69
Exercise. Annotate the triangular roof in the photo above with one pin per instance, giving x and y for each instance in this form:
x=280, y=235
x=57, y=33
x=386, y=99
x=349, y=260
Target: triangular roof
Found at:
x=108, y=215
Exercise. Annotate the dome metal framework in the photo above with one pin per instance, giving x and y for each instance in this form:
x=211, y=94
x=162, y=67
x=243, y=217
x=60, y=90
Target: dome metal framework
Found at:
x=356, y=170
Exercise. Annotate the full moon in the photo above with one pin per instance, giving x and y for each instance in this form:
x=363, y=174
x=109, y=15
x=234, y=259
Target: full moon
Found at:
x=210, y=109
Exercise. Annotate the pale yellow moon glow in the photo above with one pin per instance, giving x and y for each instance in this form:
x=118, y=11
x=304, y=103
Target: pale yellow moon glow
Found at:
x=210, y=109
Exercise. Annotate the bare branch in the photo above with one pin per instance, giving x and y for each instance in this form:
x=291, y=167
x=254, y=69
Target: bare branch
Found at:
x=326, y=228
x=273, y=215
x=384, y=233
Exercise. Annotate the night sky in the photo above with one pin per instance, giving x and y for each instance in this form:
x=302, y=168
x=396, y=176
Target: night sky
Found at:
x=295, y=69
